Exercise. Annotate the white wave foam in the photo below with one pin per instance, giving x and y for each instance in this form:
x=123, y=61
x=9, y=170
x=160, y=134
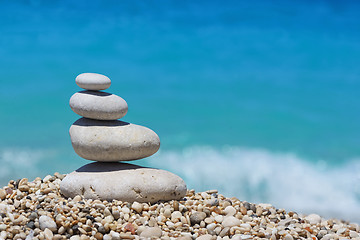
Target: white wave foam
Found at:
x=284, y=180
x=20, y=163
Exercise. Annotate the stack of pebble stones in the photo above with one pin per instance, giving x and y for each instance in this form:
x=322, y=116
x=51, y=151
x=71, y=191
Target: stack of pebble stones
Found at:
x=101, y=137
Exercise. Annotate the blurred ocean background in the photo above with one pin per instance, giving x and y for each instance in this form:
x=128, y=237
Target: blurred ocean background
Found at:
x=258, y=99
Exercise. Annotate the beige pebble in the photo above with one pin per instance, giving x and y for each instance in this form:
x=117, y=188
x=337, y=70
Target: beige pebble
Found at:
x=209, y=220
x=23, y=181
x=61, y=230
x=353, y=234
x=87, y=228
x=100, y=206
x=3, y=227
x=204, y=195
x=206, y=237
x=246, y=226
x=151, y=232
x=109, y=219
x=76, y=237
x=152, y=222
x=22, y=235
x=24, y=188
x=47, y=190
x=259, y=211
x=167, y=213
x=226, y=203
x=58, y=237
x=140, y=229
x=82, y=231
x=107, y=212
x=313, y=219
x=125, y=210
x=98, y=236
x=48, y=234
x=224, y=232
x=116, y=214
x=107, y=237
x=176, y=205
x=176, y=215
x=230, y=221
x=218, y=230
x=340, y=231
x=184, y=220
x=126, y=236
x=77, y=198
x=288, y=237
x=170, y=224
x=243, y=210
x=138, y=207
x=246, y=219
x=236, y=237
x=184, y=238
x=219, y=218
x=2, y=194
x=115, y=235
x=47, y=222
x=230, y=211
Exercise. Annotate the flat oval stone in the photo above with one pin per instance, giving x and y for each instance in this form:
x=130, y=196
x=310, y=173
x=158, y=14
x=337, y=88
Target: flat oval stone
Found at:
x=111, y=141
x=93, y=81
x=98, y=105
x=124, y=182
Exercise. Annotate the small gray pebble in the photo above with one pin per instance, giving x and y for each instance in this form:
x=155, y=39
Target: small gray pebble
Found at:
x=197, y=217
x=31, y=225
x=101, y=229
x=247, y=206
x=33, y=216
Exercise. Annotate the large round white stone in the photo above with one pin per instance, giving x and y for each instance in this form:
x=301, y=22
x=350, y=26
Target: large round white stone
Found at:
x=98, y=105
x=111, y=141
x=124, y=182
x=93, y=81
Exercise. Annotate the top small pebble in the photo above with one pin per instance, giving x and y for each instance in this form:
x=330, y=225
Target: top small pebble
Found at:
x=93, y=81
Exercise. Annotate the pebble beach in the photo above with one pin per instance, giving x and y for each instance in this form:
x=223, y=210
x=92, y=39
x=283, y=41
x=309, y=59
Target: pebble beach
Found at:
x=37, y=210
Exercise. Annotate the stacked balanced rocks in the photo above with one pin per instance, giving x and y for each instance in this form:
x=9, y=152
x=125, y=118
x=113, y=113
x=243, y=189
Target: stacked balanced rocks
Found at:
x=99, y=136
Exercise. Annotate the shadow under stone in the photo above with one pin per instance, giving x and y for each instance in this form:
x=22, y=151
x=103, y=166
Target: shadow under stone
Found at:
x=107, y=167
x=95, y=93
x=87, y=122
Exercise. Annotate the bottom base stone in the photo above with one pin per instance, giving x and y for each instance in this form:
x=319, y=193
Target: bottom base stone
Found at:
x=124, y=182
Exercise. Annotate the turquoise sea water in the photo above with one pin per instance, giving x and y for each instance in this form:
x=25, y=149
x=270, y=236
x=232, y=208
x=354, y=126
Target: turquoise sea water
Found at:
x=258, y=99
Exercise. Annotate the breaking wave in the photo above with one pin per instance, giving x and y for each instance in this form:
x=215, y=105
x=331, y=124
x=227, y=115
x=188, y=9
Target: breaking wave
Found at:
x=282, y=179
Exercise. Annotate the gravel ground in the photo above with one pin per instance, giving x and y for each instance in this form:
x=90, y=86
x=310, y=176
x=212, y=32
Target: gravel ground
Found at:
x=36, y=210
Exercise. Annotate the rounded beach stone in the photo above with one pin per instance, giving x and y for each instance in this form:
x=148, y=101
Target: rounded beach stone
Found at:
x=98, y=105
x=93, y=81
x=124, y=182
x=230, y=221
x=47, y=222
x=112, y=141
x=313, y=219
x=197, y=217
x=206, y=237
x=151, y=232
